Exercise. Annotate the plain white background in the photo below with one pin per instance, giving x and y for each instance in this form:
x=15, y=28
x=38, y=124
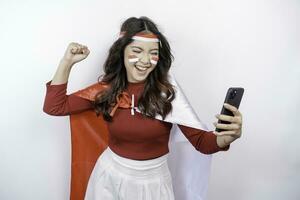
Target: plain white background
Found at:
x=217, y=44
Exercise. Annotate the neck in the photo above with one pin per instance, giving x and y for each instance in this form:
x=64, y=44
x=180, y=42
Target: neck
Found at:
x=137, y=83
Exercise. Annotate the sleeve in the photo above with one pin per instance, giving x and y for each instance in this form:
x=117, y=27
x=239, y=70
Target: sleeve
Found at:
x=203, y=141
x=58, y=103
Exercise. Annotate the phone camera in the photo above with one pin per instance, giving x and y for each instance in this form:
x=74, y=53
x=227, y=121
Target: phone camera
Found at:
x=232, y=94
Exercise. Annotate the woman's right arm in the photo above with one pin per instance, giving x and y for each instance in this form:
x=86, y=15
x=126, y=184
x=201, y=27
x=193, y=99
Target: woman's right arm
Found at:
x=57, y=102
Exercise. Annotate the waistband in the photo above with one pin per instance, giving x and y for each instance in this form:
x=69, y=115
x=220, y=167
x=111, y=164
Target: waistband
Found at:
x=137, y=168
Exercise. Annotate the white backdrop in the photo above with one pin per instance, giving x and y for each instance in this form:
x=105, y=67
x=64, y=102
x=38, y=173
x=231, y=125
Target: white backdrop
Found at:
x=217, y=44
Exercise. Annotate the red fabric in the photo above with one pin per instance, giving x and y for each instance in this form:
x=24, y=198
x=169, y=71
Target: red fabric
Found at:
x=135, y=137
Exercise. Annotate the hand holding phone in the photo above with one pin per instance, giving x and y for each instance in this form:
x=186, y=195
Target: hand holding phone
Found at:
x=233, y=97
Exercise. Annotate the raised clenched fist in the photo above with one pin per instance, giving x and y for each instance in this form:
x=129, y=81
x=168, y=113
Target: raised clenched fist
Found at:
x=76, y=52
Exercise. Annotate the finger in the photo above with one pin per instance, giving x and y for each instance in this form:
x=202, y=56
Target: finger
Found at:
x=84, y=49
x=235, y=119
x=81, y=46
x=74, y=49
x=227, y=118
x=80, y=49
x=232, y=126
x=230, y=133
x=233, y=109
x=74, y=43
x=87, y=51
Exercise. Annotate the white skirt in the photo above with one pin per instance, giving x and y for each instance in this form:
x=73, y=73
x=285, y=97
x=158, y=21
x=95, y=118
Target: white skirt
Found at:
x=118, y=178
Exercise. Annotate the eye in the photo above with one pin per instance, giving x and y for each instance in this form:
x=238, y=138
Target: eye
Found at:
x=136, y=51
x=154, y=54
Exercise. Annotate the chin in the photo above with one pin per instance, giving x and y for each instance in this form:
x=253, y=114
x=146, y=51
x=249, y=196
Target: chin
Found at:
x=141, y=78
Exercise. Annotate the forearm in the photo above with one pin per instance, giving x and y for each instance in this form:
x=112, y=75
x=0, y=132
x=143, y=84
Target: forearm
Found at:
x=58, y=103
x=203, y=141
x=62, y=73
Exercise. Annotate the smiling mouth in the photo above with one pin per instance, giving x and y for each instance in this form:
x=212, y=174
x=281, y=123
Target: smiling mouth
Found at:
x=140, y=68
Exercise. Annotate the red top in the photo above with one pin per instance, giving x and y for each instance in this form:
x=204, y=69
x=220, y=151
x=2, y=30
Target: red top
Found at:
x=131, y=136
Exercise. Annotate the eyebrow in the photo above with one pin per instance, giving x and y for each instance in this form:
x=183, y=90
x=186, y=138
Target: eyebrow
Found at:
x=142, y=48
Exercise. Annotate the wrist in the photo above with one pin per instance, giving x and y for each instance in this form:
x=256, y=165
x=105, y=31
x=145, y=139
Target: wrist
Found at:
x=221, y=142
x=66, y=63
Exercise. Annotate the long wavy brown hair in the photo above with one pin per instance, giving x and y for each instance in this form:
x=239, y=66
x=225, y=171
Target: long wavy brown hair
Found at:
x=151, y=102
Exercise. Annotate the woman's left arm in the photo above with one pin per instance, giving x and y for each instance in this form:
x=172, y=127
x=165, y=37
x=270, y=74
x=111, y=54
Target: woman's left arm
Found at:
x=232, y=131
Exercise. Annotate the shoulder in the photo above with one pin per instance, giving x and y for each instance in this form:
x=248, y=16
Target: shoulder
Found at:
x=90, y=91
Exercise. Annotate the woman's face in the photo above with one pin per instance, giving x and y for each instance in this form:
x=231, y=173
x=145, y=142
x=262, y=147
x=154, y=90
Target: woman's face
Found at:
x=140, y=58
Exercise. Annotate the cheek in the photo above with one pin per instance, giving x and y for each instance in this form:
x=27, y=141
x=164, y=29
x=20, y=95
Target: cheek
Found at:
x=154, y=60
x=132, y=58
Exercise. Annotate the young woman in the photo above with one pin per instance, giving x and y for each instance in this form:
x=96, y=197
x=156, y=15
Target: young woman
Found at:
x=133, y=94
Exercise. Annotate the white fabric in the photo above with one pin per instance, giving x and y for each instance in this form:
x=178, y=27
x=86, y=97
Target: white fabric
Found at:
x=118, y=178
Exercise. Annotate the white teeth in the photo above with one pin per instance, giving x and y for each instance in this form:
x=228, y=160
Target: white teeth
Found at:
x=141, y=68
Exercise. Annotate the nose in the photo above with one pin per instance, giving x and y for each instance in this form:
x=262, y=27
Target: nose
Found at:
x=145, y=59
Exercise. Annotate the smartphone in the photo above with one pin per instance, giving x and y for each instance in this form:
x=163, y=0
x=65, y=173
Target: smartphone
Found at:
x=233, y=97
